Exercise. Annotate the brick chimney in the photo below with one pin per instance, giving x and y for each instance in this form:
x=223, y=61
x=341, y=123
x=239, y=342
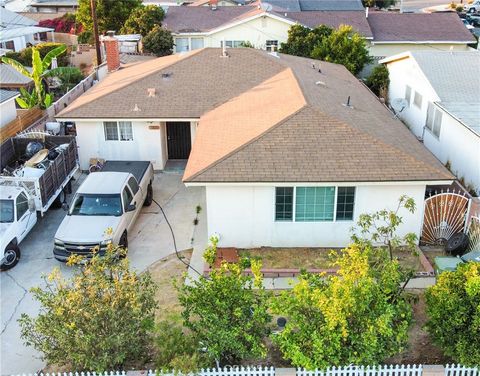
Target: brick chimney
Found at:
x=111, y=51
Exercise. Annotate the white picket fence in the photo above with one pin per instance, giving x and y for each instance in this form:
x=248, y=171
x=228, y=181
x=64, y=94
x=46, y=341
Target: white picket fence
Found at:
x=384, y=370
x=458, y=370
x=225, y=371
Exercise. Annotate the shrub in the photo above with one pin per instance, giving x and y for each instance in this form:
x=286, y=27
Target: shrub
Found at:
x=64, y=24
x=453, y=311
x=378, y=81
x=86, y=37
x=459, y=8
x=99, y=319
x=159, y=41
x=24, y=56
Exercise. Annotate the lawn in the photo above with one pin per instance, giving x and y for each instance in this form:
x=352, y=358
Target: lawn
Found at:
x=164, y=272
x=312, y=258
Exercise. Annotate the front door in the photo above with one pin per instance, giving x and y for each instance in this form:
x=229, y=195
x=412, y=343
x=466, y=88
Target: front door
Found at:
x=179, y=140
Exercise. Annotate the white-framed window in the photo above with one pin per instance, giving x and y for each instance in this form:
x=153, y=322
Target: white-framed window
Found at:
x=417, y=99
x=118, y=130
x=181, y=45
x=408, y=94
x=271, y=45
x=196, y=43
x=314, y=204
x=434, y=119
x=232, y=43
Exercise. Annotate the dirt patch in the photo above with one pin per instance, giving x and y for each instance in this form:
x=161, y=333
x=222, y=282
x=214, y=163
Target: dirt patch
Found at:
x=313, y=258
x=431, y=252
x=164, y=272
x=421, y=349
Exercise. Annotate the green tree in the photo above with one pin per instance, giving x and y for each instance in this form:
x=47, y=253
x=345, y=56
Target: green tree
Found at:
x=225, y=314
x=111, y=15
x=341, y=46
x=24, y=56
x=358, y=316
x=382, y=4
x=453, y=312
x=143, y=19
x=159, y=41
x=378, y=81
x=99, y=319
x=38, y=96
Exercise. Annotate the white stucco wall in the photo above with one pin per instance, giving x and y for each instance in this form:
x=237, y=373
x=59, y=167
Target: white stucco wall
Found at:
x=384, y=50
x=146, y=144
x=244, y=216
x=8, y=112
x=458, y=145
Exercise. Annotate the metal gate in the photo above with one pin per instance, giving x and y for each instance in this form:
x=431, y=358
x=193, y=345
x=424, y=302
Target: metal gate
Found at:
x=474, y=234
x=445, y=214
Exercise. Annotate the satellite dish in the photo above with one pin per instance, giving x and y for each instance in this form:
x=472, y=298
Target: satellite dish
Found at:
x=266, y=7
x=399, y=104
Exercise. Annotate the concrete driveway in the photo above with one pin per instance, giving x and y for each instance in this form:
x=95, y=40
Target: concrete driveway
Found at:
x=150, y=241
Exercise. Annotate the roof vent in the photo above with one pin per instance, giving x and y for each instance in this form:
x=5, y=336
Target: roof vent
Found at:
x=348, y=103
x=151, y=91
x=136, y=108
x=320, y=83
x=167, y=75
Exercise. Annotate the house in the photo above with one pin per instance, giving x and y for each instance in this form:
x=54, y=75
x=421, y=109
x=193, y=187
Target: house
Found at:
x=198, y=27
x=290, y=150
x=386, y=33
x=312, y=5
x=54, y=6
x=17, y=31
x=12, y=79
x=442, y=108
x=7, y=106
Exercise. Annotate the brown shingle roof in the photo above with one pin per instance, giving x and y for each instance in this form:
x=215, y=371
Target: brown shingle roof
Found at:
x=334, y=19
x=418, y=27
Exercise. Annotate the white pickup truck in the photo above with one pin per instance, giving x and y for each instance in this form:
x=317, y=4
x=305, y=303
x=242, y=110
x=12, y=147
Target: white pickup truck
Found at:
x=109, y=199
x=26, y=191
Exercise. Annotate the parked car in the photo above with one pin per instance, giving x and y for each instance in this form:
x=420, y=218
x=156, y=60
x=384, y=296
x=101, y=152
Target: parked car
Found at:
x=473, y=7
x=28, y=190
x=449, y=263
x=468, y=25
x=109, y=199
x=474, y=19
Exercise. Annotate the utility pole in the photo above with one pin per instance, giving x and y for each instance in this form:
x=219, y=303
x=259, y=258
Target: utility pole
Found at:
x=95, y=31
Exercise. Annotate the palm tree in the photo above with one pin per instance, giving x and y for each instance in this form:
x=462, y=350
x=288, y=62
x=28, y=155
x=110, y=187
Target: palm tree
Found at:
x=39, y=71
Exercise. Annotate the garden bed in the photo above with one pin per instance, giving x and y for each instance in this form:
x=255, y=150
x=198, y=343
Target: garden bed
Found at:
x=289, y=262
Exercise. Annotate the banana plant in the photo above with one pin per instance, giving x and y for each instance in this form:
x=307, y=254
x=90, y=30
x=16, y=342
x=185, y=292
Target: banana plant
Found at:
x=40, y=66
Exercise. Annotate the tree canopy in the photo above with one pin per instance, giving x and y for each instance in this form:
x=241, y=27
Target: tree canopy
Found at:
x=342, y=46
x=143, y=19
x=453, y=312
x=159, y=41
x=379, y=3
x=111, y=15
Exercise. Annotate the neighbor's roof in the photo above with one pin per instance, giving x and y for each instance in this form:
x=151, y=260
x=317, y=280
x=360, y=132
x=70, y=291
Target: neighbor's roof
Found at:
x=265, y=118
x=334, y=19
x=5, y=95
x=10, y=77
x=22, y=30
x=455, y=77
x=202, y=19
x=418, y=27
x=9, y=20
x=55, y=3
x=311, y=5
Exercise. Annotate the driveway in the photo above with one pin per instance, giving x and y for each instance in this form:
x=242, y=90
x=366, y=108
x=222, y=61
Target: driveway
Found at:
x=150, y=241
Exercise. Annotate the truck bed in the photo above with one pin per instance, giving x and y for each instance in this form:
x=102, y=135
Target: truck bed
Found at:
x=136, y=168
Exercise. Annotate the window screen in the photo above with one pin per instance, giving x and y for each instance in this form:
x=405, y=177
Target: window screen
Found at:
x=437, y=123
x=417, y=99
x=408, y=94
x=430, y=116
x=111, y=130
x=126, y=133
x=181, y=44
x=314, y=204
x=283, y=203
x=345, y=203
x=196, y=43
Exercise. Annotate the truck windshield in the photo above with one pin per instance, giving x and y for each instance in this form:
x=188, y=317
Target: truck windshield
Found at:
x=106, y=205
x=6, y=211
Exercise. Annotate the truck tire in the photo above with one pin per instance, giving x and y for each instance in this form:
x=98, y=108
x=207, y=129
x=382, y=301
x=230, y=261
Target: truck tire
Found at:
x=457, y=244
x=149, y=198
x=12, y=255
x=123, y=243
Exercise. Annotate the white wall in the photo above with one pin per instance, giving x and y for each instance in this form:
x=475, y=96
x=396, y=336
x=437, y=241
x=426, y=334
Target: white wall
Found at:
x=146, y=144
x=244, y=216
x=458, y=145
x=406, y=72
x=384, y=50
x=8, y=112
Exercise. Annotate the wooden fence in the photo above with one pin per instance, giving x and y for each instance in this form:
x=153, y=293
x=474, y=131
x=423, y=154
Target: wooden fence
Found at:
x=24, y=119
x=384, y=370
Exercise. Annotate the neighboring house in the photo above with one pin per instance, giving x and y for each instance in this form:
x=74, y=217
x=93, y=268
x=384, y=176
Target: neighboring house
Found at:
x=7, y=106
x=12, y=79
x=54, y=6
x=312, y=5
x=128, y=43
x=17, y=31
x=289, y=156
x=386, y=33
x=222, y=3
x=394, y=33
x=442, y=91
x=198, y=27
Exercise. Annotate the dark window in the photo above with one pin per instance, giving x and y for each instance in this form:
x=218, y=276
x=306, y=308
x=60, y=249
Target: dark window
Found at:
x=345, y=203
x=9, y=45
x=283, y=203
x=132, y=183
x=22, y=205
x=127, y=197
